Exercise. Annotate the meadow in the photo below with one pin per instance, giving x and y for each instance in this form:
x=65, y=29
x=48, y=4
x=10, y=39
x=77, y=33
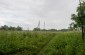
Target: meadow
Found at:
x=41, y=43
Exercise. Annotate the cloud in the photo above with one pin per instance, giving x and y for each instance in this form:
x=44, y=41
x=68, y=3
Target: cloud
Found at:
x=27, y=13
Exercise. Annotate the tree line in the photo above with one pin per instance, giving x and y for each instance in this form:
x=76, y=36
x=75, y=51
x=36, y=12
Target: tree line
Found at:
x=38, y=29
x=5, y=27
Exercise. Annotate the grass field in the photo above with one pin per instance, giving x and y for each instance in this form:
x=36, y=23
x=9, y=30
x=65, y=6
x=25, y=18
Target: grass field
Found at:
x=41, y=43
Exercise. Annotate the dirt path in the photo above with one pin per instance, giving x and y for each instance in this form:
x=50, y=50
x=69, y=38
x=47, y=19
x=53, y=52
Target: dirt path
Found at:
x=45, y=45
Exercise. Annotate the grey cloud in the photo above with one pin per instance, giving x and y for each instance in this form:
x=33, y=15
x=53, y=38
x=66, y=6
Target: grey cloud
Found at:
x=56, y=13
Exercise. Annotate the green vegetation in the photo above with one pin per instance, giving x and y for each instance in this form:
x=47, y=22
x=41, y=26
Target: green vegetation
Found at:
x=10, y=28
x=41, y=43
x=23, y=42
x=65, y=44
x=79, y=17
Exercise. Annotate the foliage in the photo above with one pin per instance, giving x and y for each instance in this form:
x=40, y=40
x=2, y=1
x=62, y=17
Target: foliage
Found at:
x=36, y=29
x=65, y=44
x=23, y=43
x=80, y=16
x=41, y=43
x=52, y=30
x=73, y=26
x=5, y=27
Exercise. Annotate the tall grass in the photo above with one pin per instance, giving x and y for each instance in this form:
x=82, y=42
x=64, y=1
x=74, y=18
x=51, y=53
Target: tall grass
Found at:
x=19, y=43
x=41, y=43
x=65, y=44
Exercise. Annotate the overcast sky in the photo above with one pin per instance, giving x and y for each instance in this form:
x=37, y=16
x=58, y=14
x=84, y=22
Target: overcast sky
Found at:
x=27, y=13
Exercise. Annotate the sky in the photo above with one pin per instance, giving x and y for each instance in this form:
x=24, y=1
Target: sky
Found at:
x=27, y=13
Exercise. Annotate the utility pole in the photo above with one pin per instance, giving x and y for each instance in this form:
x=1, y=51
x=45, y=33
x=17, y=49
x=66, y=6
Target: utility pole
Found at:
x=38, y=26
x=44, y=25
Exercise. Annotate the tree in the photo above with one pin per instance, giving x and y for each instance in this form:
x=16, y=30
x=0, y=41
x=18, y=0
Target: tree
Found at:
x=80, y=16
x=73, y=26
x=52, y=30
x=18, y=28
x=36, y=29
x=12, y=28
x=5, y=27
